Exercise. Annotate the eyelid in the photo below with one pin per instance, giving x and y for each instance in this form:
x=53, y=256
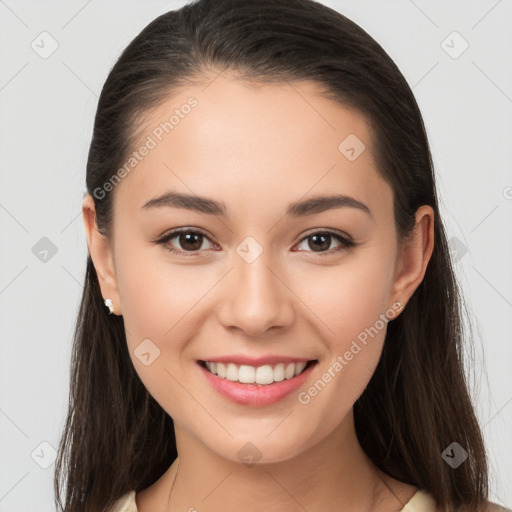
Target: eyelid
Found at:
x=328, y=231
x=162, y=240
x=344, y=239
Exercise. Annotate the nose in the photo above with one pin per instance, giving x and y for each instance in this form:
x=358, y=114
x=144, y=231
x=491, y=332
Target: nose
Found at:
x=255, y=297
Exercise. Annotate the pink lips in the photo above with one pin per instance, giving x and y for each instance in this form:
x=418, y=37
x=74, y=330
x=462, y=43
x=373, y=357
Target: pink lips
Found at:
x=255, y=394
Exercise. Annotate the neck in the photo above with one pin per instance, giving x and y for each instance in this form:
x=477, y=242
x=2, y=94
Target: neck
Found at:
x=335, y=474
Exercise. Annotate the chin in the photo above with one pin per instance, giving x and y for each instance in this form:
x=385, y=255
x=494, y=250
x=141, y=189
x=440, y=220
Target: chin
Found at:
x=254, y=450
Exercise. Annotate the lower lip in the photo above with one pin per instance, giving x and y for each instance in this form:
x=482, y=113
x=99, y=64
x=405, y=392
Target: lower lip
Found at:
x=255, y=394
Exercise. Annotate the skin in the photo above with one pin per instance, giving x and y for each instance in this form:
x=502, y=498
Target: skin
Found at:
x=258, y=149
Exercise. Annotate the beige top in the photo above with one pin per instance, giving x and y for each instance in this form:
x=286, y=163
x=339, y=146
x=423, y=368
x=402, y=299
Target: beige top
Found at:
x=420, y=502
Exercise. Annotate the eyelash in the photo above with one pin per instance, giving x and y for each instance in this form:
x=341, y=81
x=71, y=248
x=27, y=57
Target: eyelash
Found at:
x=346, y=243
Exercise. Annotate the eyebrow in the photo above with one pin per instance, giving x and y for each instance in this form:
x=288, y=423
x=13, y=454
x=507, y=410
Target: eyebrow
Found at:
x=310, y=206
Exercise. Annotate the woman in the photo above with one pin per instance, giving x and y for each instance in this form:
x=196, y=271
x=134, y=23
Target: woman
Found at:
x=269, y=293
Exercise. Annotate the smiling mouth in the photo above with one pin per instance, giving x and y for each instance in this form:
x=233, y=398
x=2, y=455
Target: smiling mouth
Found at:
x=262, y=375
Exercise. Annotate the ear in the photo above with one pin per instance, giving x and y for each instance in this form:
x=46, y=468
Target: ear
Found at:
x=414, y=255
x=101, y=253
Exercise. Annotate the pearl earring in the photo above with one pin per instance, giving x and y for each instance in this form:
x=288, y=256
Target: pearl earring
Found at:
x=108, y=303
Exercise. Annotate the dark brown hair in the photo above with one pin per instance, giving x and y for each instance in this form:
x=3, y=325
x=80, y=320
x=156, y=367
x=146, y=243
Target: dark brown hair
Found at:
x=117, y=437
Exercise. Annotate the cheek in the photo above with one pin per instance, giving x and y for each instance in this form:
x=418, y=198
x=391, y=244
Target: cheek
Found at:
x=353, y=354
x=156, y=295
x=346, y=299
x=160, y=303
x=349, y=304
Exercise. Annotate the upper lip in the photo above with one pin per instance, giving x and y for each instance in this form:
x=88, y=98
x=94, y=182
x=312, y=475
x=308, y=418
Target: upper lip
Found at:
x=255, y=361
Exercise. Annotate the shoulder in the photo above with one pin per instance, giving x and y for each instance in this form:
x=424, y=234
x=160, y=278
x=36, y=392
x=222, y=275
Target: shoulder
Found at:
x=420, y=502
x=423, y=502
x=125, y=503
x=494, y=507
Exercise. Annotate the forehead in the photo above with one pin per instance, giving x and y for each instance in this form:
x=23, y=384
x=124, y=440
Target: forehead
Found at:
x=262, y=143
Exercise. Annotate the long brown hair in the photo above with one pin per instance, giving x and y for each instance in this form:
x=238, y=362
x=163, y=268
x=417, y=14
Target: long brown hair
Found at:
x=117, y=437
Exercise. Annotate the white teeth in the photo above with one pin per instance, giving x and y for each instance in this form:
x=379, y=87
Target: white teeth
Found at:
x=290, y=371
x=232, y=372
x=299, y=367
x=247, y=374
x=279, y=372
x=221, y=370
x=266, y=374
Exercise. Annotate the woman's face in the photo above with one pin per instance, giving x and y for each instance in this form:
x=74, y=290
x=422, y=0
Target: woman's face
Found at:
x=254, y=282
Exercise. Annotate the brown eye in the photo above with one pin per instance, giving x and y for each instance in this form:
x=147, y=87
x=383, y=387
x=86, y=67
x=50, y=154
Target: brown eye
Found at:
x=190, y=241
x=187, y=241
x=320, y=242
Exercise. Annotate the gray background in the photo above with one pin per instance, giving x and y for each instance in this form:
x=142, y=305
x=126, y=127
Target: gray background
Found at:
x=47, y=105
